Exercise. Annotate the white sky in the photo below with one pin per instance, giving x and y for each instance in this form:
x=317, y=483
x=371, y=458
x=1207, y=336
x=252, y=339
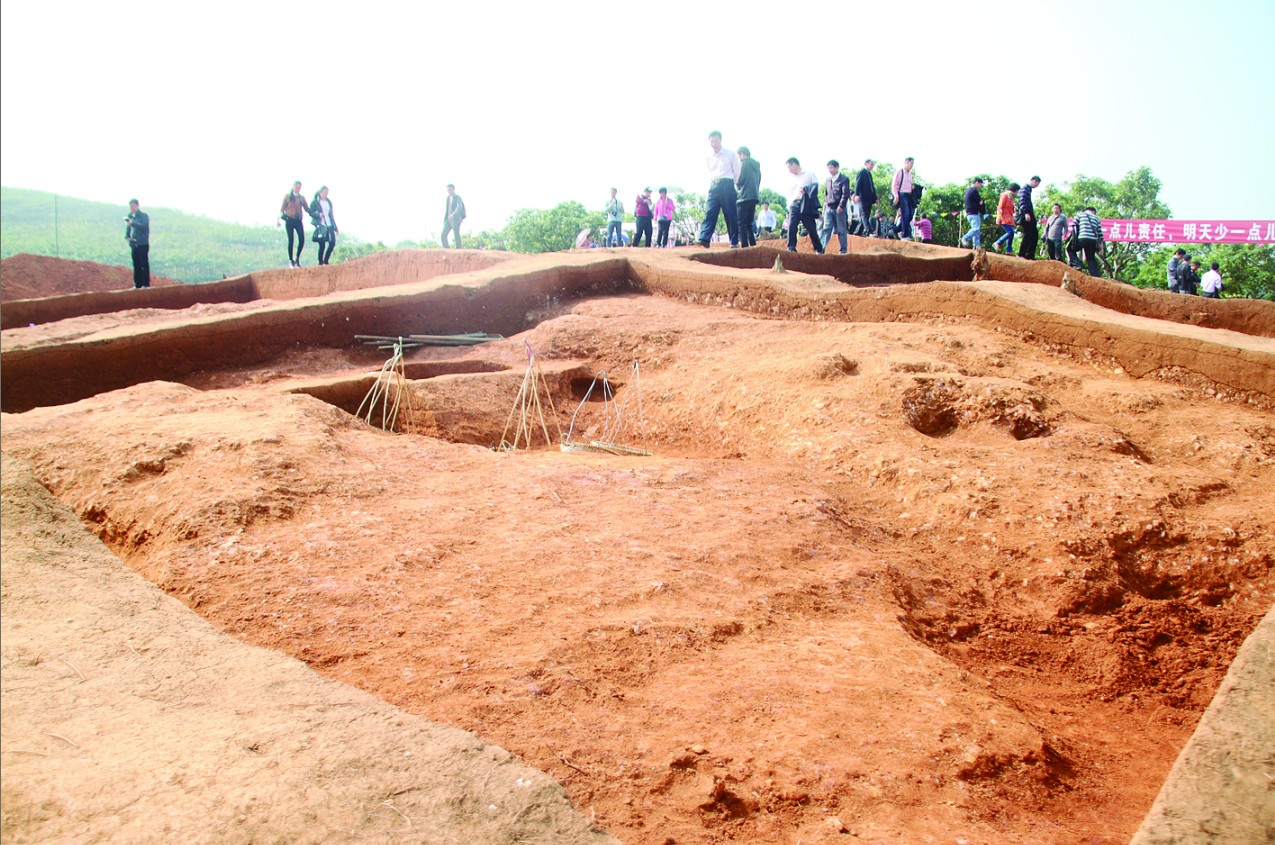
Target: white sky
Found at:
x=214, y=108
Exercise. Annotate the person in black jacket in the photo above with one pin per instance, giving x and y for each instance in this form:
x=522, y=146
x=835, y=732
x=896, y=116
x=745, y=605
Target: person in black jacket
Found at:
x=1026, y=214
x=974, y=209
x=867, y=191
x=138, y=234
x=324, y=224
x=1189, y=276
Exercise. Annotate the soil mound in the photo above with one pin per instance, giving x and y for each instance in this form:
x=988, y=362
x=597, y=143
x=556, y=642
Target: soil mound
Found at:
x=26, y=276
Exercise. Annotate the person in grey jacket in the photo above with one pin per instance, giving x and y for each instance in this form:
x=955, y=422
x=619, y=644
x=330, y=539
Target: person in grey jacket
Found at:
x=836, y=205
x=138, y=234
x=453, y=214
x=1055, y=232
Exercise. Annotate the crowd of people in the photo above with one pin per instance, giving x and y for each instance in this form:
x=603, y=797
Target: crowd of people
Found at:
x=734, y=186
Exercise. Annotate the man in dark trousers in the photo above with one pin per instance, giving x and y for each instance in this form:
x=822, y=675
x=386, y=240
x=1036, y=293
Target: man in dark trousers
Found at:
x=748, y=188
x=1026, y=214
x=974, y=210
x=867, y=191
x=1088, y=241
x=138, y=234
x=642, y=218
x=836, y=213
x=454, y=214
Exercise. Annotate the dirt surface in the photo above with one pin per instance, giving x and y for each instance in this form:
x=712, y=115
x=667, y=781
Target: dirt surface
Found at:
x=25, y=276
x=921, y=579
x=1220, y=789
x=127, y=719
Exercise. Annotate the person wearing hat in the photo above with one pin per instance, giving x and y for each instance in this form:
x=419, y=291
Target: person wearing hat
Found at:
x=642, y=217
x=748, y=184
x=974, y=210
x=664, y=217
x=138, y=234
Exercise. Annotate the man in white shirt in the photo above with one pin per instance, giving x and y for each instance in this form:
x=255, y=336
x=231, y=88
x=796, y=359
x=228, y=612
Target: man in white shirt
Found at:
x=1211, y=283
x=723, y=170
x=803, y=205
x=766, y=219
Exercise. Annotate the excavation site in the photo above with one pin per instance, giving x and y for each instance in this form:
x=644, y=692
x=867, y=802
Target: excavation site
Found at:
x=909, y=545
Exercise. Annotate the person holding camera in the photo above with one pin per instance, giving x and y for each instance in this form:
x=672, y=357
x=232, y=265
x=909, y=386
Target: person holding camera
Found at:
x=324, y=224
x=137, y=231
x=290, y=211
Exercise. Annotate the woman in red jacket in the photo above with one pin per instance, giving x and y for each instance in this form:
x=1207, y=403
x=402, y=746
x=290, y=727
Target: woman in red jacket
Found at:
x=1005, y=217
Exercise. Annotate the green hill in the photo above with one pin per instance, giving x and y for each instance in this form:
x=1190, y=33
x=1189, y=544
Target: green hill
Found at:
x=185, y=247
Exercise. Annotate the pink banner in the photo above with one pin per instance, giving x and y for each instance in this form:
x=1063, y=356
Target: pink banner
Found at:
x=1189, y=231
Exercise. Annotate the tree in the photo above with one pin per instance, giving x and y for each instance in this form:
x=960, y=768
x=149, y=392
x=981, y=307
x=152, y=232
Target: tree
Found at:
x=1136, y=196
x=533, y=230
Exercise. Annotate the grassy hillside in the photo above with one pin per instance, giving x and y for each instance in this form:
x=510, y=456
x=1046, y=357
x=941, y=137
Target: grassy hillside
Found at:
x=184, y=246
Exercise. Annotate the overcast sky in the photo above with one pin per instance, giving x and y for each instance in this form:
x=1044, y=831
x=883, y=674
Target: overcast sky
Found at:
x=214, y=108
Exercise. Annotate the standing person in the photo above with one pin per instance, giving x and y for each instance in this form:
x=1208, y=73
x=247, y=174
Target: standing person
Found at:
x=766, y=221
x=1175, y=264
x=901, y=189
x=1055, y=231
x=1026, y=217
x=723, y=170
x=1188, y=275
x=1211, y=283
x=836, y=203
x=642, y=218
x=925, y=229
x=1088, y=231
x=974, y=208
x=854, y=221
x=663, y=217
x=1005, y=217
x=324, y=224
x=137, y=231
x=803, y=205
x=867, y=191
x=748, y=185
x=615, y=220
x=453, y=214
x=290, y=215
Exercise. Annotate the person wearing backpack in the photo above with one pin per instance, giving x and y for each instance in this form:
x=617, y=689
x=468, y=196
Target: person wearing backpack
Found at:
x=905, y=193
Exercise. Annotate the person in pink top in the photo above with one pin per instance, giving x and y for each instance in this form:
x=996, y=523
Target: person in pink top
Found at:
x=924, y=228
x=663, y=217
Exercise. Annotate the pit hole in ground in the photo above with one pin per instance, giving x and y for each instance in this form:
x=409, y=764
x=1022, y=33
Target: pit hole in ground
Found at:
x=864, y=269
x=472, y=405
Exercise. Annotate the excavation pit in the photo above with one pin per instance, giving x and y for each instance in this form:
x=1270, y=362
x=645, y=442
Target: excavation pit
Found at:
x=797, y=607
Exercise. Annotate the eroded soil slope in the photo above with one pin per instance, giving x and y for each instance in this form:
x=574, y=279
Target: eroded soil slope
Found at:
x=25, y=276
x=889, y=582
